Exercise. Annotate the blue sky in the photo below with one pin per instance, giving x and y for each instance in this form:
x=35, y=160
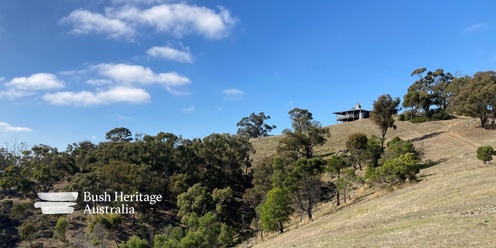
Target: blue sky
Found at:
x=71, y=70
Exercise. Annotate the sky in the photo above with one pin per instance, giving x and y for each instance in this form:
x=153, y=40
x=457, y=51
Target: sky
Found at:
x=71, y=70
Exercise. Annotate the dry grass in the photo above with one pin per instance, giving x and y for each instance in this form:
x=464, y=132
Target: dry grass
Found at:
x=453, y=205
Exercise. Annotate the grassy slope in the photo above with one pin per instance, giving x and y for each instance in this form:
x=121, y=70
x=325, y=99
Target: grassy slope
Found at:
x=454, y=204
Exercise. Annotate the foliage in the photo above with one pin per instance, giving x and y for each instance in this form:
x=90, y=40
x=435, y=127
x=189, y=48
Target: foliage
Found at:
x=119, y=134
x=397, y=147
x=398, y=169
x=135, y=242
x=374, y=150
x=429, y=90
x=419, y=119
x=305, y=134
x=60, y=229
x=477, y=97
x=382, y=114
x=345, y=182
x=303, y=183
x=335, y=165
x=195, y=201
x=357, y=146
x=485, y=153
x=254, y=126
x=27, y=231
x=276, y=210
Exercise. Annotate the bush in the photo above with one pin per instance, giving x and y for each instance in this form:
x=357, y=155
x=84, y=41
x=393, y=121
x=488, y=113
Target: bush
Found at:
x=397, y=170
x=419, y=119
x=135, y=242
x=485, y=153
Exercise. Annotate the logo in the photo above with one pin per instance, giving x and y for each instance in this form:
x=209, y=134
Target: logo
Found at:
x=57, y=203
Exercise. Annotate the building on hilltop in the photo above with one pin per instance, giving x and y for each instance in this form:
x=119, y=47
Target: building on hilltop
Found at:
x=356, y=113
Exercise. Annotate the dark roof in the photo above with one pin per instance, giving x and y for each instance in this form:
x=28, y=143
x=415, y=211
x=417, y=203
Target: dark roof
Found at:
x=351, y=110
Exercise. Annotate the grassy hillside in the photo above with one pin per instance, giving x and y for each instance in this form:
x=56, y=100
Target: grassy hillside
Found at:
x=452, y=205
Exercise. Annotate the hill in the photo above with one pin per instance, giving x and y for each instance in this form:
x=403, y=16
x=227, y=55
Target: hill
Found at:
x=452, y=205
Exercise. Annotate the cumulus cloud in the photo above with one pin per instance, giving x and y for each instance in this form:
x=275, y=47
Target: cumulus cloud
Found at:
x=6, y=127
x=88, y=98
x=39, y=81
x=475, y=27
x=170, y=53
x=86, y=22
x=136, y=74
x=178, y=19
x=188, y=109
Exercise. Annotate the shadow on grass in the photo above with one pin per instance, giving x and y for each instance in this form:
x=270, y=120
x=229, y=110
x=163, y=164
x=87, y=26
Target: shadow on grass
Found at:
x=426, y=136
x=429, y=163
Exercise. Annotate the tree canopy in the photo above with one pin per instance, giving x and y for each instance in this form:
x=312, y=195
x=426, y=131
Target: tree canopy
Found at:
x=254, y=126
x=305, y=134
x=382, y=115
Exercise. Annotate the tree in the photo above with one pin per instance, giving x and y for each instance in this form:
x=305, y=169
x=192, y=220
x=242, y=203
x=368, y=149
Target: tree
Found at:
x=276, y=210
x=485, y=153
x=428, y=90
x=254, y=126
x=478, y=98
x=357, y=146
x=304, y=183
x=195, y=201
x=304, y=136
x=119, y=134
x=335, y=166
x=382, y=115
x=345, y=181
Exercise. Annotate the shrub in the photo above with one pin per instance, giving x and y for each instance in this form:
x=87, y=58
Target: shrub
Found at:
x=419, y=119
x=397, y=170
x=485, y=153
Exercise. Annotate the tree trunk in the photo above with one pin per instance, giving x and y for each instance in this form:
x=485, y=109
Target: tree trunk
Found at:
x=281, y=227
x=337, y=198
x=309, y=210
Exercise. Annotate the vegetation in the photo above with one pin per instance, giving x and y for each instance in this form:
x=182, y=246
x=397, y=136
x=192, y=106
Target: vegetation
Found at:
x=476, y=97
x=485, y=153
x=254, y=126
x=305, y=134
x=212, y=195
x=276, y=210
x=385, y=108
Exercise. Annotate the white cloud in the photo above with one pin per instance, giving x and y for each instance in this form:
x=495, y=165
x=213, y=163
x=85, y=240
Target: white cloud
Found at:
x=169, y=53
x=99, y=82
x=475, y=27
x=188, y=109
x=39, y=81
x=179, y=19
x=1, y=79
x=14, y=94
x=87, y=98
x=148, y=2
x=232, y=92
x=6, y=127
x=86, y=22
x=178, y=92
x=136, y=74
